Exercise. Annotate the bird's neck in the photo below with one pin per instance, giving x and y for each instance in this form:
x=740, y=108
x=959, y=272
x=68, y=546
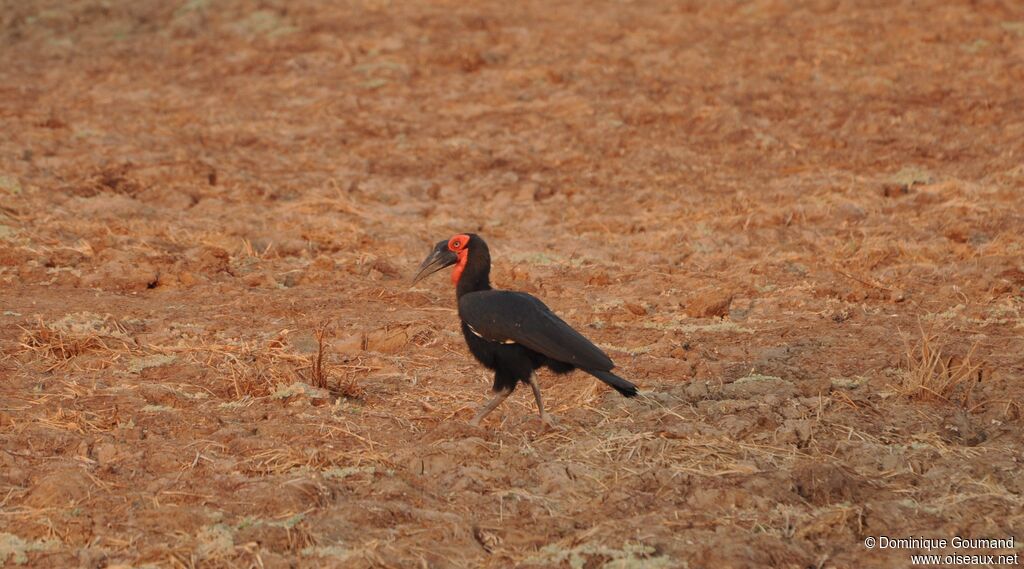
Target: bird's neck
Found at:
x=472, y=283
x=475, y=276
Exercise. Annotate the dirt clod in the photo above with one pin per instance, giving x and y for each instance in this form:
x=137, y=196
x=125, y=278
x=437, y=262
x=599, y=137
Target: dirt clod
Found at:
x=824, y=484
x=709, y=304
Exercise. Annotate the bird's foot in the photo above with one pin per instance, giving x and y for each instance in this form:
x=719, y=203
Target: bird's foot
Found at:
x=550, y=423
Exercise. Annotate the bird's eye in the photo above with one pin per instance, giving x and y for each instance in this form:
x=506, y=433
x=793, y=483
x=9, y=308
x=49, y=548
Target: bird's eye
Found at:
x=456, y=244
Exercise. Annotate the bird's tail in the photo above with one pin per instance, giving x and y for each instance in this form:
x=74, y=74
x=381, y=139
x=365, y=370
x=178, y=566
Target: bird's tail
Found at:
x=621, y=385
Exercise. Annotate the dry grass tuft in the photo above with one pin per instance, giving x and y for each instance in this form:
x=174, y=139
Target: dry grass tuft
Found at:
x=317, y=371
x=931, y=373
x=116, y=179
x=350, y=388
x=255, y=369
x=60, y=344
x=57, y=345
x=318, y=374
x=284, y=460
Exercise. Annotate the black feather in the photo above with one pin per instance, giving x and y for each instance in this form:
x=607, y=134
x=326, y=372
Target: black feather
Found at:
x=501, y=316
x=621, y=385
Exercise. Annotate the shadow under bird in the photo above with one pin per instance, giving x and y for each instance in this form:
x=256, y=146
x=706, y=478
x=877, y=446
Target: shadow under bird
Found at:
x=513, y=333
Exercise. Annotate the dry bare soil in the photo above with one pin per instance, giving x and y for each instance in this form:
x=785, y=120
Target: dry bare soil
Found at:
x=797, y=225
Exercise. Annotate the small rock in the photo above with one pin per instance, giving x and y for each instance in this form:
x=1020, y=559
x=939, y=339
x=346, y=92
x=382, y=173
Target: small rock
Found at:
x=350, y=345
x=105, y=453
x=208, y=259
x=756, y=385
x=122, y=272
x=59, y=489
x=738, y=426
x=796, y=432
x=385, y=340
x=386, y=268
x=824, y=484
x=851, y=212
x=847, y=382
x=697, y=390
x=709, y=304
x=894, y=190
x=137, y=365
x=300, y=389
x=636, y=309
x=261, y=279
x=304, y=343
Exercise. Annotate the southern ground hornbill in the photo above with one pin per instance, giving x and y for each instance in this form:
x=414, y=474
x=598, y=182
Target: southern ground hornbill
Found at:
x=513, y=333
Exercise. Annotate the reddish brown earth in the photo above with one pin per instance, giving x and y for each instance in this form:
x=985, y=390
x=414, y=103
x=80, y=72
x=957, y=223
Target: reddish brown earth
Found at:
x=759, y=209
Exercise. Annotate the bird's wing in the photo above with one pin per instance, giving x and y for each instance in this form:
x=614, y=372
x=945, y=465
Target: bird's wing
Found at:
x=501, y=316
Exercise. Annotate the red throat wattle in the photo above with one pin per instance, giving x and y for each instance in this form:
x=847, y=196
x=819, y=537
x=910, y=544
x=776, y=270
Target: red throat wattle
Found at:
x=459, y=244
x=460, y=266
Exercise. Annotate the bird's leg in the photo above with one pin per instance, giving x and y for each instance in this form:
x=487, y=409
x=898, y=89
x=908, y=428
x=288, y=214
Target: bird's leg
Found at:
x=490, y=406
x=544, y=417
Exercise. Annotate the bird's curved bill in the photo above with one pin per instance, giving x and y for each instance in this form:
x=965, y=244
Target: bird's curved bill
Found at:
x=438, y=259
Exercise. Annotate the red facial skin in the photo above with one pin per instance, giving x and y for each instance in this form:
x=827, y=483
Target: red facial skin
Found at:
x=459, y=245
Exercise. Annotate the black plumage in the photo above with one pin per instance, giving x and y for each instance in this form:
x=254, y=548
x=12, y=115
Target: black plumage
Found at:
x=513, y=333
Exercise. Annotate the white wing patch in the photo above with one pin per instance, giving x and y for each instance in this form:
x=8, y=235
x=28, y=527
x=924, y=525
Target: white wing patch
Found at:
x=479, y=335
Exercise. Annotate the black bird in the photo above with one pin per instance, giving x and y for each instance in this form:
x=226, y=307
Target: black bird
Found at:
x=513, y=333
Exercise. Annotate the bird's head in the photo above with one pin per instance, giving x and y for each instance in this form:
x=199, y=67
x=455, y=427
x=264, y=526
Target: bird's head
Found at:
x=454, y=251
